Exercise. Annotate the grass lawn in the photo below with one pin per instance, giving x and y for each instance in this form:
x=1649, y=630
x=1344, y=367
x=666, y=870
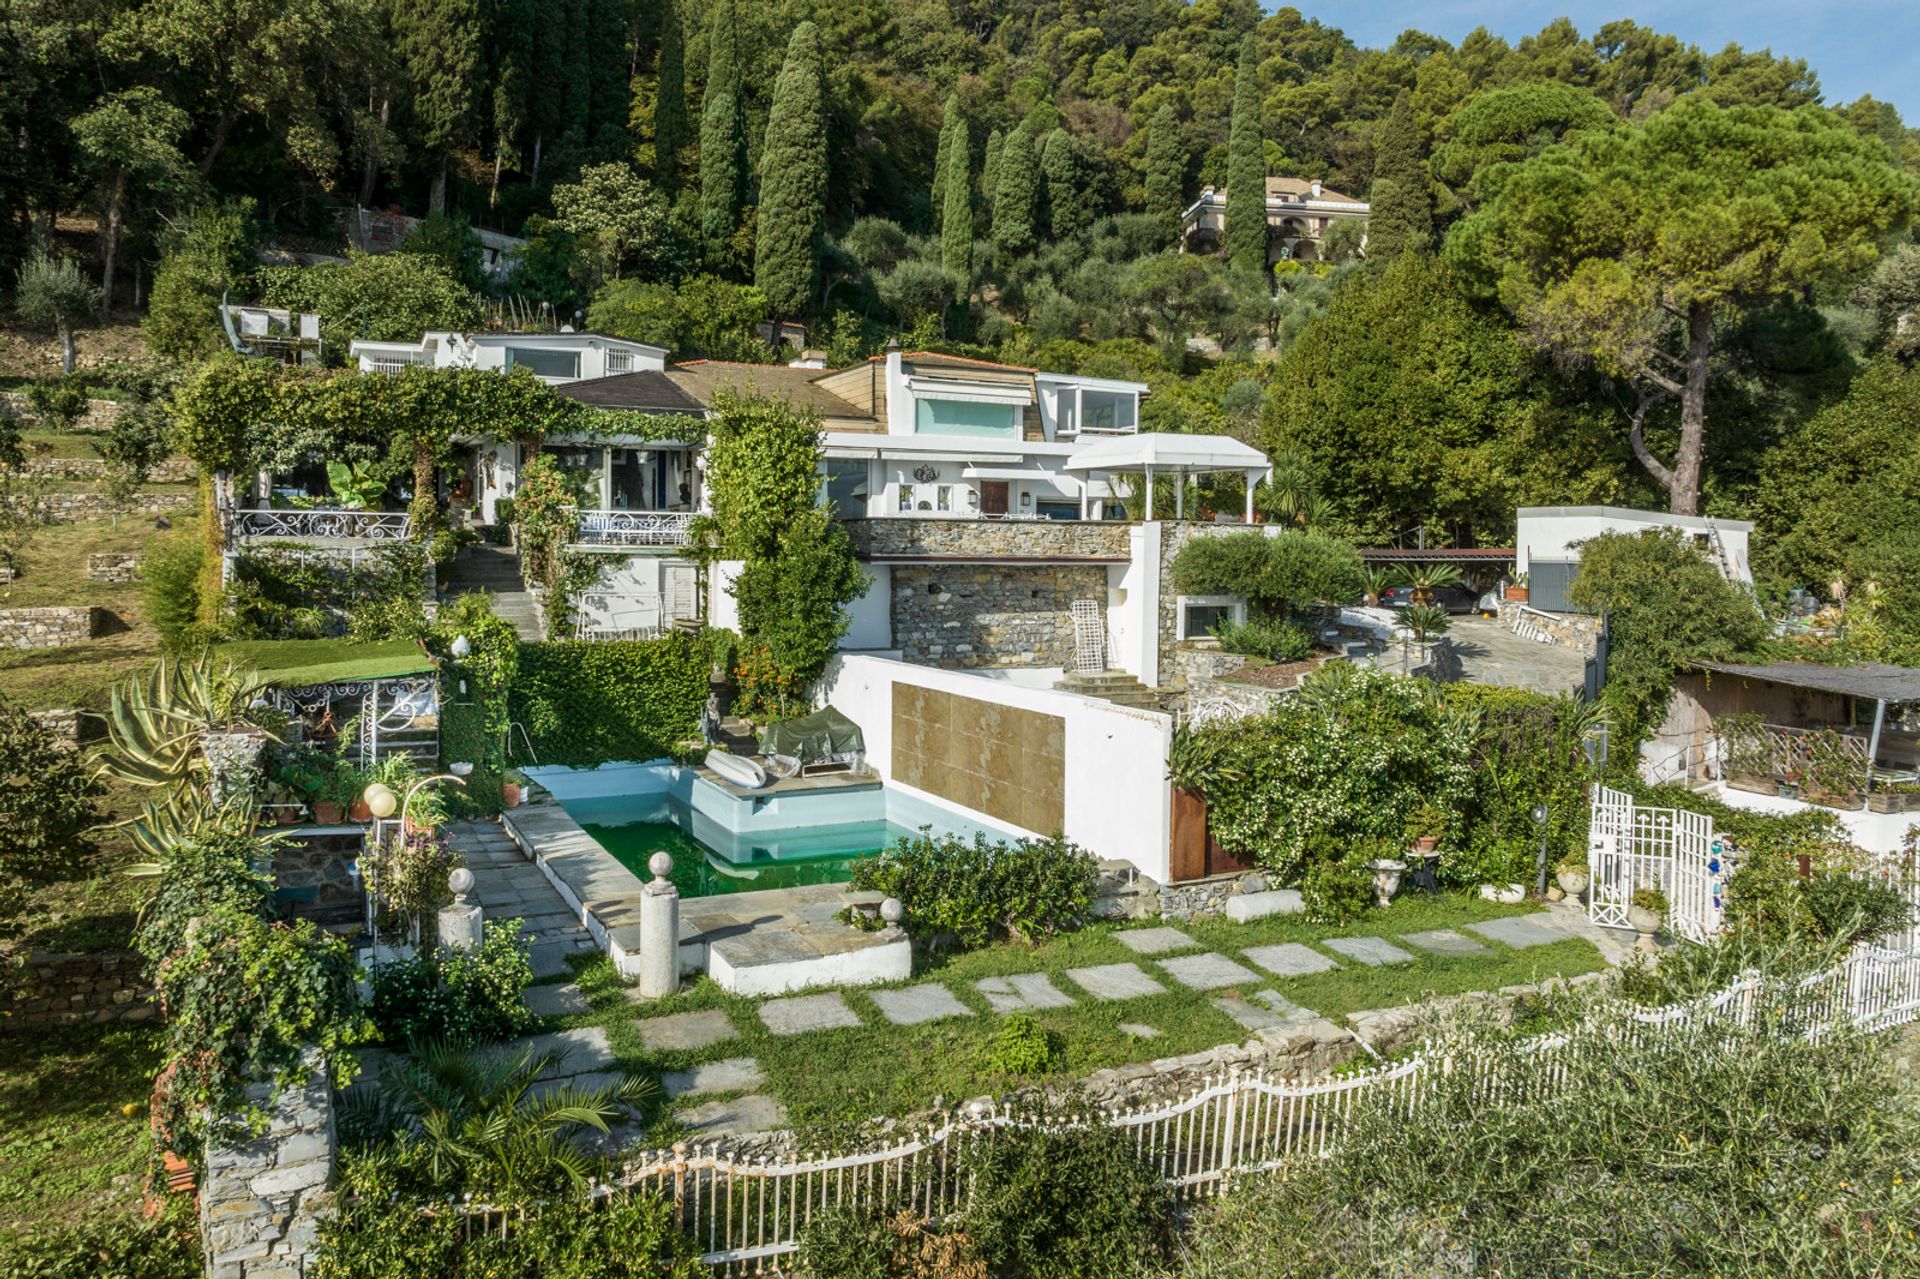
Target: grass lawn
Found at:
x=294, y=663
x=834, y=1077
x=67, y=1152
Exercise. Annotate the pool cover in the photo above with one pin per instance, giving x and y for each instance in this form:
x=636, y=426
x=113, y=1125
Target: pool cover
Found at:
x=826, y=736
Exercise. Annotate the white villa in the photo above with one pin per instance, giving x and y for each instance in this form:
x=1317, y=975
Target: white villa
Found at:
x=1547, y=541
x=551, y=357
x=1299, y=211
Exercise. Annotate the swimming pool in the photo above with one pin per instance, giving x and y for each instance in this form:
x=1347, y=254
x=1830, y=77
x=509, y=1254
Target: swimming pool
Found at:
x=723, y=843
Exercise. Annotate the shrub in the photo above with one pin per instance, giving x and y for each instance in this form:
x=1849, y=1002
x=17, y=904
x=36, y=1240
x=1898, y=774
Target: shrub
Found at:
x=394, y=297
x=979, y=891
x=206, y=257
x=793, y=605
x=1022, y=1046
x=1337, y=888
x=1274, y=641
x=214, y=874
x=457, y=997
x=48, y=805
x=108, y=1246
x=170, y=591
x=586, y=703
x=1769, y=901
x=410, y=871
x=867, y=1242
x=1066, y=1203
x=1276, y=574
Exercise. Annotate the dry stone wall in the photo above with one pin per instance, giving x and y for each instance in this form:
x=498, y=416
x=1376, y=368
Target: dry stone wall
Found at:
x=112, y=567
x=79, y=505
x=974, y=615
x=172, y=470
x=49, y=627
x=262, y=1200
x=51, y=988
x=998, y=538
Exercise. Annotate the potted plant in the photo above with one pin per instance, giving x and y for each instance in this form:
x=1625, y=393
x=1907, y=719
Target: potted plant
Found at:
x=511, y=784
x=285, y=803
x=1894, y=797
x=1518, y=590
x=1425, y=825
x=1572, y=876
x=1645, y=911
x=1790, y=784
x=339, y=790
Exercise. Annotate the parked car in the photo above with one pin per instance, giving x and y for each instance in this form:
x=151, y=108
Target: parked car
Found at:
x=1455, y=599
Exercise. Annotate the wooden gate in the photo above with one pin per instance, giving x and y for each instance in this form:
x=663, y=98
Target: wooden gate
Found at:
x=1196, y=854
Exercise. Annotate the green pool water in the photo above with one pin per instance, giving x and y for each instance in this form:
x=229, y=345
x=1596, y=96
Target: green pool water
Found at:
x=816, y=855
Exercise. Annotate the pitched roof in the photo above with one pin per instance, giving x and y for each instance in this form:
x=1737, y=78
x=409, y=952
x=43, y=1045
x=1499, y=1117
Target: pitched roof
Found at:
x=700, y=379
x=646, y=391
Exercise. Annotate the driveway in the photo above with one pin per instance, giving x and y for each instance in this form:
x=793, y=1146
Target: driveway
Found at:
x=1489, y=653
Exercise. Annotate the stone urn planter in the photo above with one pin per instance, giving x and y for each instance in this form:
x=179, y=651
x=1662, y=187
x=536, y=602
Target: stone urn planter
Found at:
x=1386, y=878
x=1572, y=882
x=1645, y=920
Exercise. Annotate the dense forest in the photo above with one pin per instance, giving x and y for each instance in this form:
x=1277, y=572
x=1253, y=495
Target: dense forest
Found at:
x=1601, y=266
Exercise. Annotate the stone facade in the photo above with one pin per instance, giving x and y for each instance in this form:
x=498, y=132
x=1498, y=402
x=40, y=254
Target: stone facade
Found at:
x=991, y=615
x=1175, y=536
x=49, y=627
x=313, y=875
x=73, y=507
x=112, y=567
x=101, y=986
x=262, y=1200
x=1564, y=630
x=234, y=759
x=1086, y=539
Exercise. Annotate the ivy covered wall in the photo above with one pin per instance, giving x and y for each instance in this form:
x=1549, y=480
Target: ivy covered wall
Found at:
x=587, y=703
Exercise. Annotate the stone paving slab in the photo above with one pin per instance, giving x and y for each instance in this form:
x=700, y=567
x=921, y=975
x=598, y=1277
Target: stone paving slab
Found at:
x=1115, y=981
x=802, y=1014
x=1289, y=959
x=582, y=1050
x=1444, y=941
x=1249, y=1016
x=1372, y=951
x=915, y=1004
x=1024, y=992
x=735, y=1074
x=1208, y=971
x=555, y=1001
x=1154, y=941
x=686, y=1031
x=752, y=1113
x=1140, y=1030
x=1288, y=1010
x=549, y=958
x=1522, y=931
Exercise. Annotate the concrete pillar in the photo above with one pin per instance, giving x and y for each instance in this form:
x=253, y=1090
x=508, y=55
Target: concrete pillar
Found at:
x=659, y=931
x=461, y=926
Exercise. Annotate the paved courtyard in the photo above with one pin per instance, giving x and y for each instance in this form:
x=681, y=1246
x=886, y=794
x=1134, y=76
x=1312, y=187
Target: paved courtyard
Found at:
x=1491, y=654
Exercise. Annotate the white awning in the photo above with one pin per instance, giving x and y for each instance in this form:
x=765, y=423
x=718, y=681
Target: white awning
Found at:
x=1169, y=454
x=971, y=392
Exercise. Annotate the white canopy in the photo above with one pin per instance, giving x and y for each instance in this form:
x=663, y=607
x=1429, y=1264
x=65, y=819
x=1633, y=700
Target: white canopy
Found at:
x=1177, y=455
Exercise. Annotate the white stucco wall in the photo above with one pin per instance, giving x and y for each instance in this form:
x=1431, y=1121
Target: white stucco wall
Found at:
x=1553, y=532
x=722, y=609
x=1117, y=802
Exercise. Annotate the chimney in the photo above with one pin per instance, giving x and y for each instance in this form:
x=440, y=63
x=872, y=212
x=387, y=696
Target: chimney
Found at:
x=809, y=359
x=900, y=418
x=1314, y=187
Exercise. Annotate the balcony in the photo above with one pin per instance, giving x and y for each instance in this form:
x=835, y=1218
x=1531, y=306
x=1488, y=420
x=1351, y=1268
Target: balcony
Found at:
x=635, y=528
x=326, y=524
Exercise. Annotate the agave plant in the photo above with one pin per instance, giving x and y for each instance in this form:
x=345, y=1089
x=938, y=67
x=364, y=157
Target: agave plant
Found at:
x=155, y=721
x=183, y=814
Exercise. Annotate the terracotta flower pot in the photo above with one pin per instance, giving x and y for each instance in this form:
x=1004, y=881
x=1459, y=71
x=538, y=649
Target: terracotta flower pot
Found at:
x=510, y=794
x=359, y=812
x=328, y=813
x=1517, y=593
x=1426, y=843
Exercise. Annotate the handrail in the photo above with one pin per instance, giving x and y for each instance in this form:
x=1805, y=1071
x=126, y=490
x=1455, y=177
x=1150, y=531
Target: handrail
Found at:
x=636, y=528
x=322, y=522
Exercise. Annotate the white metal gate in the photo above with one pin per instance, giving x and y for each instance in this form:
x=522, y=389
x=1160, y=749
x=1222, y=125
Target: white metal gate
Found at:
x=1089, y=636
x=1630, y=847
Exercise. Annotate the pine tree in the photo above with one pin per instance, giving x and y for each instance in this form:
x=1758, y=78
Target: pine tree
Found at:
x=723, y=138
x=990, y=167
x=1069, y=210
x=793, y=180
x=1246, y=236
x=1015, y=193
x=1166, y=172
x=670, y=101
x=953, y=126
x=1401, y=219
x=956, y=219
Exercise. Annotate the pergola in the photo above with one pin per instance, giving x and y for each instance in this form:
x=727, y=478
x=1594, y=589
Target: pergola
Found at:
x=1181, y=456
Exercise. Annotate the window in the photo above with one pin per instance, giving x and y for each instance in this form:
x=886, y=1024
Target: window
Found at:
x=906, y=497
x=1107, y=411
x=1058, y=510
x=846, y=487
x=965, y=417
x=943, y=498
x=1199, y=615
x=542, y=362
x=619, y=361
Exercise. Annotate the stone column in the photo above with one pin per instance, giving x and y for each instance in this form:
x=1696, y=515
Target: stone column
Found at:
x=659, y=931
x=461, y=926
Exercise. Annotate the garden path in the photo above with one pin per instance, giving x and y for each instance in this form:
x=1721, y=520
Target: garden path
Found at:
x=508, y=886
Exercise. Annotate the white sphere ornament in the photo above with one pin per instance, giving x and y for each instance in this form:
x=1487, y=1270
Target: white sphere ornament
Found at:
x=381, y=801
x=461, y=646
x=461, y=882
x=892, y=912
x=661, y=864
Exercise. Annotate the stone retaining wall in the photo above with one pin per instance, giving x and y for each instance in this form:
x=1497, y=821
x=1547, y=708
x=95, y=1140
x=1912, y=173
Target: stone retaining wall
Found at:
x=261, y=1201
x=1203, y=898
x=970, y=615
x=49, y=627
x=62, y=725
x=51, y=988
x=313, y=874
x=997, y=538
x=1563, y=630
x=100, y=414
x=93, y=504
x=172, y=470
x=112, y=567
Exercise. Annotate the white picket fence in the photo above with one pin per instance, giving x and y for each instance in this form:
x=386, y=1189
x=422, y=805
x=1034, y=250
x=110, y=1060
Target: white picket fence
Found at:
x=746, y=1214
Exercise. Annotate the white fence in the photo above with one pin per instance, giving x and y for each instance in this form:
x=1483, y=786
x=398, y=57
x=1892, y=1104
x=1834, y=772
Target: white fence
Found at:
x=322, y=522
x=636, y=528
x=1673, y=851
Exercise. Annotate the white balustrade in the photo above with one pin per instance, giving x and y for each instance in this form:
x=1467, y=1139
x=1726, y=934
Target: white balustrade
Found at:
x=322, y=522
x=636, y=528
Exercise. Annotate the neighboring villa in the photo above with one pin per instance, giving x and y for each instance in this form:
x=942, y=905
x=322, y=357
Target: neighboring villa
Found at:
x=1547, y=541
x=1299, y=212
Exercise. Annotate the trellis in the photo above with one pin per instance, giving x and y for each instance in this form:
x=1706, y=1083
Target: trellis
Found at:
x=1632, y=847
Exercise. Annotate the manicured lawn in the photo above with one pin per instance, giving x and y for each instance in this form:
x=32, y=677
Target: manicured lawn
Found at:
x=293, y=663
x=835, y=1077
x=67, y=1151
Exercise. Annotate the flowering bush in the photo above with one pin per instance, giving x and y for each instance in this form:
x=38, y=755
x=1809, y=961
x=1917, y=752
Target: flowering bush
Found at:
x=457, y=996
x=409, y=873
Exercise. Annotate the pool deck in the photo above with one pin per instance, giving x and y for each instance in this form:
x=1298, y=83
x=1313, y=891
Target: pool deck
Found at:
x=819, y=784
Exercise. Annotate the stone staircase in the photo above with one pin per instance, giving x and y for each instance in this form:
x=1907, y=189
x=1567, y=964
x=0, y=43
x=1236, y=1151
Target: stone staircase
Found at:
x=495, y=570
x=1117, y=687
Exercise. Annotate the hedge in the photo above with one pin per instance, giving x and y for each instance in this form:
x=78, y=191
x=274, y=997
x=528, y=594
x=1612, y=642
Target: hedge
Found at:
x=589, y=703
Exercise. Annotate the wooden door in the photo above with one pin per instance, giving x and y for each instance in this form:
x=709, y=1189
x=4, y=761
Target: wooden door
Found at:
x=993, y=497
x=1188, y=858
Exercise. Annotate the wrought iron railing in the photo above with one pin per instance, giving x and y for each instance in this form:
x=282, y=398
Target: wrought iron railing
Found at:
x=636, y=528
x=323, y=522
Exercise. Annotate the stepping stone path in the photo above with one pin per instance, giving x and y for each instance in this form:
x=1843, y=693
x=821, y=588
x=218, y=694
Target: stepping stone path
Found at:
x=1444, y=941
x=1288, y=1010
x=686, y=1031
x=752, y=1113
x=1026, y=992
x=1208, y=972
x=1290, y=959
x=1522, y=931
x=735, y=1074
x=1154, y=941
x=1372, y=951
x=916, y=1004
x=1139, y=1030
x=1249, y=1016
x=579, y=1051
x=799, y=1014
x=555, y=1001
x=549, y=958
x=1115, y=981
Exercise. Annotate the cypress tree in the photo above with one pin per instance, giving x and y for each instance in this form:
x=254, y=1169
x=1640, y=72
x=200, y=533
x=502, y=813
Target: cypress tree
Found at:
x=1401, y=219
x=610, y=80
x=1014, y=194
x=990, y=167
x=670, y=101
x=1166, y=172
x=723, y=138
x=1246, y=235
x=793, y=180
x=510, y=53
x=953, y=125
x=439, y=42
x=956, y=219
x=1069, y=212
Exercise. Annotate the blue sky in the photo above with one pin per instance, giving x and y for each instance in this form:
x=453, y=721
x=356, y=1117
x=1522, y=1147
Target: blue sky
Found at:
x=1856, y=46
